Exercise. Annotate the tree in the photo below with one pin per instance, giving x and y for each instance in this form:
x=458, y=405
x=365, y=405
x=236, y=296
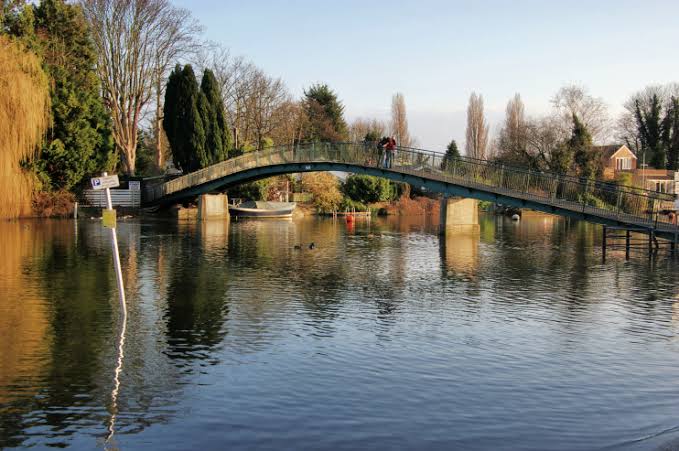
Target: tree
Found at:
x=644, y=124
x=366, y=130
x=184, y=109
x=126, y=35
x=546, y=147
x=580, y=146
x=477, y=130
x=24, y=118
x=267, y=96
x=671, y=134
x=79, y=143
x=649, y=123
x=325, y=114
x=325, y=189
x=512, y=139
x=452, y=153
x=592, y=111
x=399, y=121
x=176, y=39
x=290, y=123
x=217, y=136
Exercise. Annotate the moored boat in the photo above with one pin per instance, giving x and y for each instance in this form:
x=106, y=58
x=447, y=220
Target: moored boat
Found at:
x=262, y=209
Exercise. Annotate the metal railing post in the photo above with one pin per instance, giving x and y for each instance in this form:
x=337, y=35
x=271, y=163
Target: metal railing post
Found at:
x=525, y=189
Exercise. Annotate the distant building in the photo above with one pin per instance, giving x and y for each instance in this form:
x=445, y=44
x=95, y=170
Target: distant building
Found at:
x=617, y=159
x=660, y=180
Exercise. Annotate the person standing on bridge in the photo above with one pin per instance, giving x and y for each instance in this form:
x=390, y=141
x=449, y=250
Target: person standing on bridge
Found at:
x=391, y=150
x=380, y=151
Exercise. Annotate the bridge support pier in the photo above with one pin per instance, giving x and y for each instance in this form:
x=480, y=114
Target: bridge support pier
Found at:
x=213, y=206
x=459, y=215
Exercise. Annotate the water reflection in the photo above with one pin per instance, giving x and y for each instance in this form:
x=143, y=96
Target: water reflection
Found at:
x=460, y=252
x=232, y=325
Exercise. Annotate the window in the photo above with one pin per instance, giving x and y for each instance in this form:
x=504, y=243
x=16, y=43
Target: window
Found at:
x=622, y=164
x=662, y=186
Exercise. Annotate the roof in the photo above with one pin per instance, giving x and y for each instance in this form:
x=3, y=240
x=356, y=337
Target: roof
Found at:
x=609, y=150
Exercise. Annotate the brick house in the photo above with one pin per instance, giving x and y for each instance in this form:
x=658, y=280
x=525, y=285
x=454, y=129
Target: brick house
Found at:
x=616, y=158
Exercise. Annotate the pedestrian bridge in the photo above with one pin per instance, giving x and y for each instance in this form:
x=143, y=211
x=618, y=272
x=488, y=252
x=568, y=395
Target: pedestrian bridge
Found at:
x=595, y=201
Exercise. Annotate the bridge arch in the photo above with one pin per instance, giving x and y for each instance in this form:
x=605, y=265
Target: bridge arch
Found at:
x=595, y=201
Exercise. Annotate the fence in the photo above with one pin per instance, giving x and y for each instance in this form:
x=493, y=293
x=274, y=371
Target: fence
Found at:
x=119, y=198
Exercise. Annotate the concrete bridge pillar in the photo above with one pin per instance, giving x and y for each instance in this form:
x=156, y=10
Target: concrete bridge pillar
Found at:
x=213, y=206
x=459, y=215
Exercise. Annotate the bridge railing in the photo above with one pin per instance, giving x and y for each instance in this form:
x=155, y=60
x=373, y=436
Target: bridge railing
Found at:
x=587, y=196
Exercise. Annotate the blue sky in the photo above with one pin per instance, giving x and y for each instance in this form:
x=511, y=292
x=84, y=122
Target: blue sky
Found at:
x=437, y=52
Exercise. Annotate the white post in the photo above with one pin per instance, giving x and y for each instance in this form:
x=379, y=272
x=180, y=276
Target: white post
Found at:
x=116, y=256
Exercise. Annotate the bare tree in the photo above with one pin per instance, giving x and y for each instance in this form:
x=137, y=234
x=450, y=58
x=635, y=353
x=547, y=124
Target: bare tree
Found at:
x=512, y=136
x=546, y=145
x=399, y=121
x=592, y=111
x=360, y=128
x=267, y=96
x=291, y=122
x=627, y=132
x=126, y=34
x=477, y=130
x=177, y=39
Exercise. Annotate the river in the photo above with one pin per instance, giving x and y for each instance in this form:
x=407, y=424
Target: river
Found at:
x=383, y=336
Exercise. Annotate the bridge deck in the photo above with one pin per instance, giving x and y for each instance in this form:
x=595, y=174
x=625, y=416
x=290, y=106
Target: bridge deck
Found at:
x=597, y=201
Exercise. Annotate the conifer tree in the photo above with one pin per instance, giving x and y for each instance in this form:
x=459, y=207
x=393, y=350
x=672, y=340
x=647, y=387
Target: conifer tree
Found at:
x=325, y=113
x=671, y=134
x=218, y=138
x=580, y=145
x=452, y=153
x=649, y=124
x=183, y=111
x=79, y=143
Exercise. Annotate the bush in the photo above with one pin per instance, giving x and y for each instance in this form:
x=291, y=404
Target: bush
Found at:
x=53, y=204
x=251, y=191
x=367, y=189
x=325, y=188
x=593, y=201
x=349, y=204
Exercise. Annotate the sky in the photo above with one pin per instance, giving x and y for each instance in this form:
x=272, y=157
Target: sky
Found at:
x=438, y=52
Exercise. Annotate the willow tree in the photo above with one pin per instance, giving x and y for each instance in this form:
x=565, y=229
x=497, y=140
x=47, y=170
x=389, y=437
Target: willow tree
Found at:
x=24, y=117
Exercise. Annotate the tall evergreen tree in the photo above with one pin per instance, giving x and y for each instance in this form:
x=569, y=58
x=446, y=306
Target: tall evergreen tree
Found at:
x=649, y=123
x=79, y=143
x=183, y=112
x=217, y=136
x=580, y=145
x=452, y=152
x=671, y=134
x=325, y=113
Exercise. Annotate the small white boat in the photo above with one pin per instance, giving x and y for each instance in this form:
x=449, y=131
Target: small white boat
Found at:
x=262, y=209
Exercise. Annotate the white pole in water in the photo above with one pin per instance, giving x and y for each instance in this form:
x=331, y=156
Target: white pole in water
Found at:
x=116, y=255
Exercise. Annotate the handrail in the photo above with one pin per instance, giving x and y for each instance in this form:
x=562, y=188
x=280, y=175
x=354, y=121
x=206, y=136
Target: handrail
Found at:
x=595, y=196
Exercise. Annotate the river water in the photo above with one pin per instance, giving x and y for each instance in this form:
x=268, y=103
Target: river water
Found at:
x=384, y=336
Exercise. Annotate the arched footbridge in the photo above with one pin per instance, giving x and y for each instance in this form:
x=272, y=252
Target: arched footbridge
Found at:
x=595, y=201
